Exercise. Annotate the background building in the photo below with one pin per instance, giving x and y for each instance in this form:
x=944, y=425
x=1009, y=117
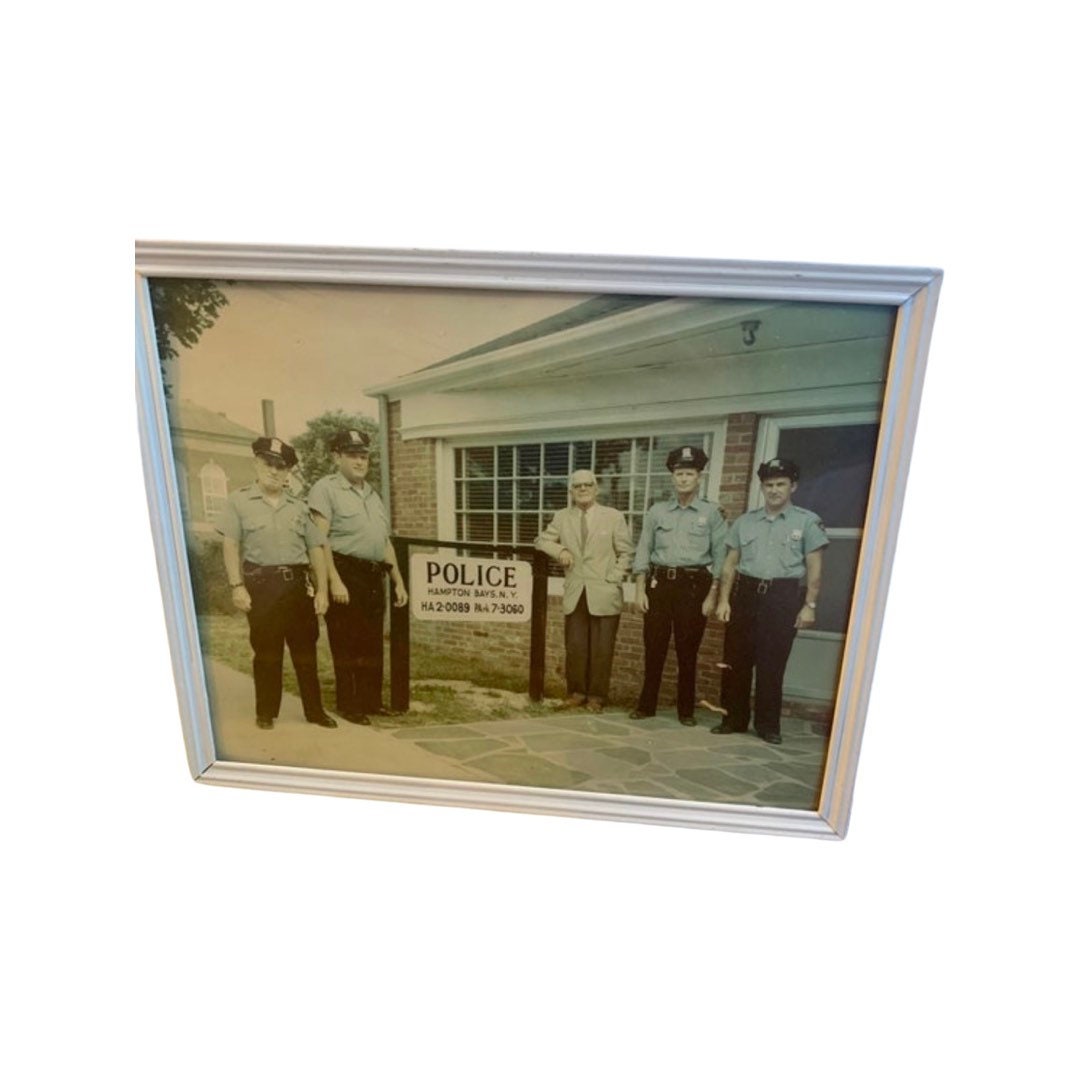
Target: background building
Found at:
x=213, y=458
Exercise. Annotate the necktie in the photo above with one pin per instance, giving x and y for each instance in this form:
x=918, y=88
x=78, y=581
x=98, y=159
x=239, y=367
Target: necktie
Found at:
x=584, y=531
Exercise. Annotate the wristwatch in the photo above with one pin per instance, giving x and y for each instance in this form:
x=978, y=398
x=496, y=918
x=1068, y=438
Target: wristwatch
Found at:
x=811, y=605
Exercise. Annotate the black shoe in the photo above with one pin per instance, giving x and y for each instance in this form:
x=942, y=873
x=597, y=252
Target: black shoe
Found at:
x=724, y=729
x=772, y=737
x=357, y=718
x=322, y=721
x=688, y=721
x=265, y=722
x=637, y=714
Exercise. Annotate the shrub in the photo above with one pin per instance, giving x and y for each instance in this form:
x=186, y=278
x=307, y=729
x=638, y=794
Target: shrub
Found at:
x=209, y=582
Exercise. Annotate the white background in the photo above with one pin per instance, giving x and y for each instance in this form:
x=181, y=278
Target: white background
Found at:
x=159, y=928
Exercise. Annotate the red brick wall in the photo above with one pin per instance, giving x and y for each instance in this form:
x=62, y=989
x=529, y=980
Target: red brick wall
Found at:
x=413, y=484
x=738, y=463
x=413, y=508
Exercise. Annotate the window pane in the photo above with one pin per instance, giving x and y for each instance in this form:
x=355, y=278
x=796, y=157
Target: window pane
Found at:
x=660, y=486
x=613, y=456
x=615, y=491
x=528, y=460
x=835, y=464
x=555, y=494
x=557, y=459
x=834, y=602
x=528, y=528
x=480, y=527
x=583, y=455
x=506, y=495
x=506, y=529
x=528, y=493
x=459, y=458
x=480, y=462
x=506, y=461
x=664, y=444
x=480, y=495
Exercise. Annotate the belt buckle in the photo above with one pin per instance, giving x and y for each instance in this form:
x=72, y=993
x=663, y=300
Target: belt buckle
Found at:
x=671, y=572
x=763, y=586
x=287, y=573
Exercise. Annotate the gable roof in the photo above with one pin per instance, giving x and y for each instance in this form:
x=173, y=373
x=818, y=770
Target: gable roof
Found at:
x=597, y=307
x=186, y=415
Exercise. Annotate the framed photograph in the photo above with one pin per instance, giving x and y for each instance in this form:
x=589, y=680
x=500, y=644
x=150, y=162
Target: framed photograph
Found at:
x=597, y=536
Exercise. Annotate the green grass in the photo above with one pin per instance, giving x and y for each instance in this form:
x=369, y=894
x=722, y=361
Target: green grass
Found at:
x=225, y=638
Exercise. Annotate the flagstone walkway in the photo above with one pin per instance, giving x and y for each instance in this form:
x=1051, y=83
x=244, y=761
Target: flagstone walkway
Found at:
x=567, y=750
x=656, y=756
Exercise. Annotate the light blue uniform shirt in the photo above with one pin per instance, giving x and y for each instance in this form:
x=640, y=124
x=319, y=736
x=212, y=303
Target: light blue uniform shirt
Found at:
x=359, y=525
x=674, y=535
x=776, y=548
x=269, y=535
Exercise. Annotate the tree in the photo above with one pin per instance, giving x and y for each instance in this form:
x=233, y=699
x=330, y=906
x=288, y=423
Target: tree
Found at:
x=183, y=308
x=311, y=447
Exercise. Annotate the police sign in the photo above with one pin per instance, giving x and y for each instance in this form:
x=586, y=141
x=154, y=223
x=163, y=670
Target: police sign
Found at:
x=446, y=587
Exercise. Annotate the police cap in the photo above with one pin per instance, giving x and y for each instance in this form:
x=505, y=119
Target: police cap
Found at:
x=356, y=441
x=778, y=466
x=275, y=450
x=687, y=457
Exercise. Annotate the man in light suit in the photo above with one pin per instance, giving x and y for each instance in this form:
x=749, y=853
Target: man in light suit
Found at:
x=593, y=543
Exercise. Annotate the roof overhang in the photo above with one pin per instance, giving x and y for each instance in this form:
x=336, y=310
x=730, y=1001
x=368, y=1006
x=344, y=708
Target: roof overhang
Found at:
x=640, y=339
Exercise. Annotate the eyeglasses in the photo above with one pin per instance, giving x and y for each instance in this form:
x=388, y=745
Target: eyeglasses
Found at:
x=576, y=486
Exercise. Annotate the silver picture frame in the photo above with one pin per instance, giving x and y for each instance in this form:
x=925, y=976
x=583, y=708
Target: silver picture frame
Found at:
x=911, y=292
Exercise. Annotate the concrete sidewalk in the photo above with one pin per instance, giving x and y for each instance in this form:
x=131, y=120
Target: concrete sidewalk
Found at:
x=572, y=751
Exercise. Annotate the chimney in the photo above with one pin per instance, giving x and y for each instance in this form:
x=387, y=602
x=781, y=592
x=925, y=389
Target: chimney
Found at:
x=268, y=417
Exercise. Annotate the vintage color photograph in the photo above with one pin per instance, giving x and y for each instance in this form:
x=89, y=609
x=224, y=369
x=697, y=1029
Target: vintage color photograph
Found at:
x=589, y=542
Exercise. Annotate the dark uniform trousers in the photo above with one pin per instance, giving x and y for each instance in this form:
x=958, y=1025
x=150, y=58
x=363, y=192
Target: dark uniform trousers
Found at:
x=282, y=613
x=759, y=636
x=355, y=630
x=590, y=646
x=674, y=604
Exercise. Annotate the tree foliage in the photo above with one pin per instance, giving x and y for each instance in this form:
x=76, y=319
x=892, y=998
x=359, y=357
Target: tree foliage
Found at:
x=183, y=308
x=314, y=456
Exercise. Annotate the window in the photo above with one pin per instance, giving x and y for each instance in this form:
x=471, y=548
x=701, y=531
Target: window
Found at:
x=508, y=493
x=215, y=489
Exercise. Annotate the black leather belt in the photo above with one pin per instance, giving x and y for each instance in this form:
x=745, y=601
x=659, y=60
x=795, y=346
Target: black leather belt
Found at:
x=763, y=585
x=287, y=571
x=671, y=573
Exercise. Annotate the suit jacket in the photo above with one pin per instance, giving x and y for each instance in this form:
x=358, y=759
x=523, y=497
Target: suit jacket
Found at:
x=601, y=567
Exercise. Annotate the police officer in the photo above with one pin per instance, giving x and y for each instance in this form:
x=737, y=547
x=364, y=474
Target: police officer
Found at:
x=270, y=528
x=769, y=589
x=677, y=567
x=356, y=528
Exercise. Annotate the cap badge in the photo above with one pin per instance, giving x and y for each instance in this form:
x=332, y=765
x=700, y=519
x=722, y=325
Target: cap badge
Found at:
x=275, y=446
x=687, y=453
